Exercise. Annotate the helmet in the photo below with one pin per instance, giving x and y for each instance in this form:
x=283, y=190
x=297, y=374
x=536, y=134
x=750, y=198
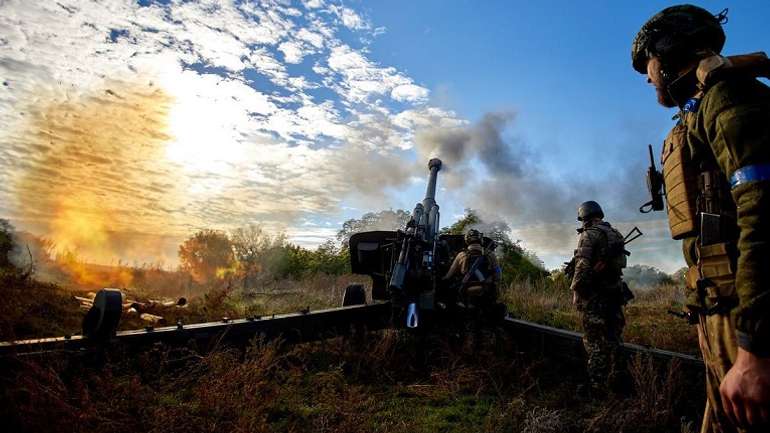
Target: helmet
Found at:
x=473, y=237
x=676, y=34
x=588, y=210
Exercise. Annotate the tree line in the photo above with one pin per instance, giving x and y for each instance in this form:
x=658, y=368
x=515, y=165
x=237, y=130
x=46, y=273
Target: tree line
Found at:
x=249, y=254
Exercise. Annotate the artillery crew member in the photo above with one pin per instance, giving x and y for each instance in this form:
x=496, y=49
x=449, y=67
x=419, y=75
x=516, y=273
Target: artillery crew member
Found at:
x=597, y=288
x=716, y=172
x=479, y=269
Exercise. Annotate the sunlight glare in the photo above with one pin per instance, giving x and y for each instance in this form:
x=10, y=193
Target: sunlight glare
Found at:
x=202, y=123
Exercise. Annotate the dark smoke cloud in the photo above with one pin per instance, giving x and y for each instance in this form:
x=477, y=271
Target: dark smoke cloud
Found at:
x=514, y=185
x=482, y=141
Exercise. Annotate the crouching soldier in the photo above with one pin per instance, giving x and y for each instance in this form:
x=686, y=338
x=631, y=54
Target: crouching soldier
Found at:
x=479, y=270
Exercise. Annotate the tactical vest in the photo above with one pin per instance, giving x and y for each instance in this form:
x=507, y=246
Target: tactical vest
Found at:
x=612, y=253
x=474, y=284
x=698, y=198
x=473, y=254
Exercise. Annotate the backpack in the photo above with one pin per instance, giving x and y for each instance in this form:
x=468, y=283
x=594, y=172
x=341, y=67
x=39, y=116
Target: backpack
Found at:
x=612, y=257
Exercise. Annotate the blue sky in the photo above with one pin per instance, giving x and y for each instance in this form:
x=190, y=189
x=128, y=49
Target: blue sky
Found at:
x=123, y=122
x=564, y=69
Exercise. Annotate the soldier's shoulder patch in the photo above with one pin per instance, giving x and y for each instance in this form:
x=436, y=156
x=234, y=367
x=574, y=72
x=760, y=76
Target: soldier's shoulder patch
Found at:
x=692, y=105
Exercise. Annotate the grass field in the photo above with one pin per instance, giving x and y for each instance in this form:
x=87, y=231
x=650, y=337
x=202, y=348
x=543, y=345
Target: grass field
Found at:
x=378, y=385
x=647, y=319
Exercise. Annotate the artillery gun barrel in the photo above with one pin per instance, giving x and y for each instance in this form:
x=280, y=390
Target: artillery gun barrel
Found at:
x=429, y=218
x=434, y=165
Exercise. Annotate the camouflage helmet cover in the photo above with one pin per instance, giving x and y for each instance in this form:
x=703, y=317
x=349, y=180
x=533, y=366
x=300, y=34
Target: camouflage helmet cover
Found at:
x=675, y=31
x=588, y=210
x=473, y=236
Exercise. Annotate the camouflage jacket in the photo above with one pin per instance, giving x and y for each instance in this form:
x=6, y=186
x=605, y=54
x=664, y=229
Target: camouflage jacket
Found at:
x=464, y=260
x=591, y=278
x=732, y=121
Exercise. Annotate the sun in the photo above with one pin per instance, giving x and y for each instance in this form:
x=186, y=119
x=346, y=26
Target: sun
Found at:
x=202, y=125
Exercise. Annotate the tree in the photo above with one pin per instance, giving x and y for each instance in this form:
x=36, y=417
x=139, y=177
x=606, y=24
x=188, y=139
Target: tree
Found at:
x=207, y=255
x=515, y=261
x=498, y=231
x=383, y=220
x=331, y=259
x=255, y=251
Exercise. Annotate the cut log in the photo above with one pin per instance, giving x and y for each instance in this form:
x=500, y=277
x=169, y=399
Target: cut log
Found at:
x=152, y=318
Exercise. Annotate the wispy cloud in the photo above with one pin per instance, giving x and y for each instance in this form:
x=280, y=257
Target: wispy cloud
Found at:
x=169, y=117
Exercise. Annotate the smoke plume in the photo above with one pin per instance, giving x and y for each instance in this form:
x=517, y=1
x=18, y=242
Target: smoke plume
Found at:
x=503, y=177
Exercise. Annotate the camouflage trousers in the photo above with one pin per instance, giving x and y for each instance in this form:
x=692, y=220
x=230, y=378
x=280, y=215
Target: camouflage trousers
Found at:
x=602, y=337
x=718, y=344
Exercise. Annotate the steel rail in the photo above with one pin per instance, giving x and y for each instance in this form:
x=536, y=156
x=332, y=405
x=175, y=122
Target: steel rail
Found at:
x=313, y=325
x=292, y=327
x=555, y=341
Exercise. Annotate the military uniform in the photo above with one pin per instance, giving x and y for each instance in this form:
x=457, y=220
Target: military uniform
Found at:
x=478, y=286
x=716, y=172
x=724, y=132
x=597, y=281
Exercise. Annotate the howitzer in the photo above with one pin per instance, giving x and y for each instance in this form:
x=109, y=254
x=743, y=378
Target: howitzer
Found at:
x=655, y=186
x=407, y=265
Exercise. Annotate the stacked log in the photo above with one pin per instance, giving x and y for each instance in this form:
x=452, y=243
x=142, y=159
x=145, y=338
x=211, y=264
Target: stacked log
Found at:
x=151, y=311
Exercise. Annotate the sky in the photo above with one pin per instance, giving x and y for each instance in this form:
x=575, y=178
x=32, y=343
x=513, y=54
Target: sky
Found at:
x=126, y=126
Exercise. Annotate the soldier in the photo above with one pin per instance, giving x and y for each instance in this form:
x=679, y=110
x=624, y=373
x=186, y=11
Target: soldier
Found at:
x=716, y=162
x=479, y=270
x=597, y=287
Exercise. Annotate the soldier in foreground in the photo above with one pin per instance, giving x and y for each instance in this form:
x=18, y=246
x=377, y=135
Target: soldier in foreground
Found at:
x=716, y=165
x=597, y=288
x=479, y=270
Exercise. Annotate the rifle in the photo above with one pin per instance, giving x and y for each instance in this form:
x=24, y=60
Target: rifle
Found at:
x=655, y=186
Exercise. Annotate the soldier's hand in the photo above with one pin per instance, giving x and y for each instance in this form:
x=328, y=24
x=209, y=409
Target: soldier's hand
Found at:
x=745, y=390
x=574, y=298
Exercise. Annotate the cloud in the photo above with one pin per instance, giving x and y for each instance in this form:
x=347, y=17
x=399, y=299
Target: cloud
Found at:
x=193, y=115
x=292, y=52
x=350, y=18
x=362, y=79
x=409, y=93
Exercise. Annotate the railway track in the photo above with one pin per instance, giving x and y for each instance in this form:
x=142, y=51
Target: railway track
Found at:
x=314, y=325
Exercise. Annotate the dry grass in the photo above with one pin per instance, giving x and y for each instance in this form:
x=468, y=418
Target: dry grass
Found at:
x=30, y=308
x=35, y=309
x=647, y=319
x=390, y=382
x=377, y=385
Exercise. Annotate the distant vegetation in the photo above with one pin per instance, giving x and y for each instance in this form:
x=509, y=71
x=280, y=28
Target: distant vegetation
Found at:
x=646, y=277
